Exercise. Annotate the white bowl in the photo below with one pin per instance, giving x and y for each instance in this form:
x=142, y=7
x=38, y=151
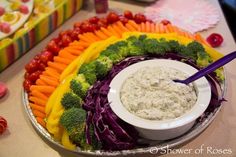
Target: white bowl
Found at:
x=160, y=129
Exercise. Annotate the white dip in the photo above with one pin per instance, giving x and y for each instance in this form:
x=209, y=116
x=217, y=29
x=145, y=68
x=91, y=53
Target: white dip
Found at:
x=151, y=94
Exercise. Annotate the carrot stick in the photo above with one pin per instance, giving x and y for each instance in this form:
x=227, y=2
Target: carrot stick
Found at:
x=157, y=30
x=85, y=38
x=92, y=35
x=60, y=67
x=133, y=24
x=113, y=31
x=83, y=44
x=121, y=26
x=43, y=89
x=147, y=27
x=105, y=31
x=130, y=28
x=117, y=29
x=38, y=100
x=65, y=54
x=40, y=95
x=76, y=43
x=142, y=27
x=162, y=28
x=152, y=27
x=41, y=82
x=41, y=121
x=52, y=71
x=39, y=114
x=62, y=60
x=73, y=51
x=101, y=35
x=49, y=80
x=37, y=107
x=169, y=28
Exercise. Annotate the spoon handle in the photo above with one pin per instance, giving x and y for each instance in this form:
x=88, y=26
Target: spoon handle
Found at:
x=212, y=67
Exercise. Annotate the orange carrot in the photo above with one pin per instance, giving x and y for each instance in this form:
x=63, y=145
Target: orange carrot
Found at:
x=130, y=28
x=84, y=38
x=37, y=107
x=65, y=54
x=62, y=60
x=157, y=30
x=152, y=28
x=58, y=66
x=83, y=44
x=162, y=28
x=169, y=28
x=41, y=121
x=39, y=114
x=110, y=28
x=147, y=27
x=52, y=71
x=40, y=82
x=101, y=35
x=43, y=89
x=142, y=27
x=38, y=94
x=117, y=29
x=73, y=51
x=37, y=100
x=133, y=24
x=121, y=26
x=49, y=80
x=92, y=35
x=105, y=31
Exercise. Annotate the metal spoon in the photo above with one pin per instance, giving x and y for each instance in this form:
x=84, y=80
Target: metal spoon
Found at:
x=210, y=68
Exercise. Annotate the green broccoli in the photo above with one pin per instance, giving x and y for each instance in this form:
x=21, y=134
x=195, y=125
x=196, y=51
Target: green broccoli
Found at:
x=103, y=65
x=203, y=59
x=70, y=100
x=73, y=120
x=89, y=71
x=135, y=46
x=79, y=85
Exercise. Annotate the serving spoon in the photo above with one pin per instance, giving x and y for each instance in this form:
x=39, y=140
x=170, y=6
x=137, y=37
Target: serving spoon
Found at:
x=210, y=68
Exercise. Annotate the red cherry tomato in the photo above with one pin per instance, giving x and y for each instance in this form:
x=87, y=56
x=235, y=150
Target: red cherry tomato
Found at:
x=34, y=76
x=27, y=84
x=53, y=47
x=94, y=20
x=26, y=76
x=75, y=33
x=128, y=14
x=24, y=9
x=32, y=66
x=165, y=22
x=139, y=18
x=124, y=20
x=112, y=17
x=46, y=56
x=77, y=25
x=66, y=40
x=87, y=27
x=215, y=39
x=42, y=66
x=3, y=125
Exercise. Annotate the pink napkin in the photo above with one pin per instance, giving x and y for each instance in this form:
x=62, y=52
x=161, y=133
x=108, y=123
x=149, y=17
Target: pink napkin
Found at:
x=191, y=15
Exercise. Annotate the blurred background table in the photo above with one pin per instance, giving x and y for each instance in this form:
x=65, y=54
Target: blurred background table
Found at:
x=21, y=140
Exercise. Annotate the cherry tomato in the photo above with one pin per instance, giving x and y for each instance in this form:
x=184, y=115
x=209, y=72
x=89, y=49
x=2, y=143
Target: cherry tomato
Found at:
x=124, y=20
x=53, y=47
x=128, y=14
x=165, y=22
x=139, y=18
x=46, y=56
x=3, y=90
x=42, y=66
x=35, y=75
x=77, y=25
x=75, y=33
x=215, y=39
x=94, y=20
x=112, y=17
x=86, y=27
x=32, y=66
x=26, y=76
x=27, y=84
x=66, y=40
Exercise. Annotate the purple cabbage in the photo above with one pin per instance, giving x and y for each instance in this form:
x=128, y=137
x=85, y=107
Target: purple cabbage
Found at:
x=111, y=131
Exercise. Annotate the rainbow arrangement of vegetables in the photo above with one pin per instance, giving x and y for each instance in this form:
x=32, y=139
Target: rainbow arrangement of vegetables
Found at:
x=68, y=93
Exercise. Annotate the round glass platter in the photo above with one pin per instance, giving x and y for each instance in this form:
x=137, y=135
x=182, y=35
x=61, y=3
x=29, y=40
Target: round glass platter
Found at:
x=153, y=147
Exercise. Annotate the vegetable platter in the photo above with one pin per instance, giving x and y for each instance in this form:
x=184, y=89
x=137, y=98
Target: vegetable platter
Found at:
x=66, y=85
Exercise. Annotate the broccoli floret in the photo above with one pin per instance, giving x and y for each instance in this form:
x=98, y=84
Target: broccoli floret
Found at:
x=174, y=46
x=103, y=65
x=87, y=67
x=70, y=100
x=79, y=85
x=90, y=77
x=73, y=120
x=192, y=49
x=135, y=46
x=203, y=59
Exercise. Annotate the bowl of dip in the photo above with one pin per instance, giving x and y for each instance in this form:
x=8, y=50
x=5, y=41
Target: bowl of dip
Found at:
x=145, y=96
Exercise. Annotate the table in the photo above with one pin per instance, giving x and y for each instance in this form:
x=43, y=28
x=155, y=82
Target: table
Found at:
x=21, y=140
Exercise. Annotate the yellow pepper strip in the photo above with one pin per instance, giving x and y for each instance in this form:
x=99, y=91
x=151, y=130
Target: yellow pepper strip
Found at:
x=65, y=140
